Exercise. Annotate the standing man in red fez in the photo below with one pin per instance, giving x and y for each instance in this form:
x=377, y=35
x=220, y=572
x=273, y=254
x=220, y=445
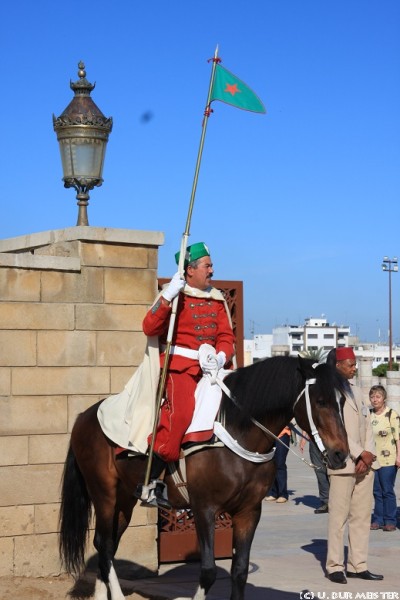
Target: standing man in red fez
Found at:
x=350, y=492
x=203, y=342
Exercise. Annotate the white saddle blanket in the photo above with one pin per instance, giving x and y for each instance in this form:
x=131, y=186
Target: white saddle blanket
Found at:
x=127, y=418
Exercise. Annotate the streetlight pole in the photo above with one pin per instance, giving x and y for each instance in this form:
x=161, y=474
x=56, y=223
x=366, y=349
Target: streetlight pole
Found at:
x=390, y=265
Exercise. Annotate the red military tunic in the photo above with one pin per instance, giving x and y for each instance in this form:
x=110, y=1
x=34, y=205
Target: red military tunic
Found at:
x=199, y=320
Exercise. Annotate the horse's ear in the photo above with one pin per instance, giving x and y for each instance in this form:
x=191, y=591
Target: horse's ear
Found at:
x=306, y=367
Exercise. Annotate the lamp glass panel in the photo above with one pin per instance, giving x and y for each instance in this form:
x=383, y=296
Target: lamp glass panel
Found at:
x=82, y=157
x=66, y=158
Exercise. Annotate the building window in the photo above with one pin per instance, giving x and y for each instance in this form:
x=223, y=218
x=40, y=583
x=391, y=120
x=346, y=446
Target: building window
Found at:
x=312, y=336
x=328, y=336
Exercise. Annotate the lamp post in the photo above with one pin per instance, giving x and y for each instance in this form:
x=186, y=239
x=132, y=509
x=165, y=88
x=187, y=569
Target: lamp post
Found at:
x=390, y=265
x=82, y=133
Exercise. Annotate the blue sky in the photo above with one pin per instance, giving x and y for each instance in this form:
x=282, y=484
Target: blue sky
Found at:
x=301, y=204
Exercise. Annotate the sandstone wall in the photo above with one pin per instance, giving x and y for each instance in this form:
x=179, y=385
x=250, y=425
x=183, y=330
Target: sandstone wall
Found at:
x=71, y=306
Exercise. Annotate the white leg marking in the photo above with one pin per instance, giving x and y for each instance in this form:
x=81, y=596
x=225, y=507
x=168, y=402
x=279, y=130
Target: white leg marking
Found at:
x=200, y=594
x=115, y=588
x=100, y=590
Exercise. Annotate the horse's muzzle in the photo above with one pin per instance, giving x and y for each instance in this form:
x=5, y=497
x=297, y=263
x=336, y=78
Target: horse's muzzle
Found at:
x=335, y=459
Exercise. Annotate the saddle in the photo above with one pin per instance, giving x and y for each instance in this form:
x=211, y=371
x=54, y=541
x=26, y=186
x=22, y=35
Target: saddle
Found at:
x=176, y=469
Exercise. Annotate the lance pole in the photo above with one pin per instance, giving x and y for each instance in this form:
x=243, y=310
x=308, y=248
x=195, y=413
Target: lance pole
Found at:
x=181, y=268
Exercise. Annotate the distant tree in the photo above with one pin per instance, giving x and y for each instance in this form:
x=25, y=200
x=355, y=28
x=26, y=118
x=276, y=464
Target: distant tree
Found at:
x=316, y=355
x=382, y=369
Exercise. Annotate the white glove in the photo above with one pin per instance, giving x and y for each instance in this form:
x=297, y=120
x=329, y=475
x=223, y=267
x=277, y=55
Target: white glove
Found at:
x=221, y=358
x=210, y=361
x=208, y=358
x=175, y=286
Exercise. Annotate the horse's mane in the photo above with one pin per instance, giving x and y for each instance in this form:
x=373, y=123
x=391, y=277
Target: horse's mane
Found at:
x=267, y=386
x=270, y=386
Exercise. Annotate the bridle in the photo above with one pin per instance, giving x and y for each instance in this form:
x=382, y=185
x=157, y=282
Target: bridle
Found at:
x=313, y=427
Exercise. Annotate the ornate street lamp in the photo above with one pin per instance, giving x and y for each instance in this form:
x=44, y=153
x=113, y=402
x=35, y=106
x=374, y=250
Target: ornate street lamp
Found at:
x=390, y=265
x=82, y=133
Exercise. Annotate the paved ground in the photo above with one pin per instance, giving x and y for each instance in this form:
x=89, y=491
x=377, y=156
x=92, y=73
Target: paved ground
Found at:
x=287, y=560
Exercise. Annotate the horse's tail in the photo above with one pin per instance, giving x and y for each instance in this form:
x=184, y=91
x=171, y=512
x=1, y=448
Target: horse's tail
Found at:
x=75, y=513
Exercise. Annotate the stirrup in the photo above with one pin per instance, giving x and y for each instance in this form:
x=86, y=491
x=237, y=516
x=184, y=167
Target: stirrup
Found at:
x=154, y=494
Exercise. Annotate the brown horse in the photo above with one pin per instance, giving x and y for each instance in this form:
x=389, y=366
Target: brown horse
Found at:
x=267, y=394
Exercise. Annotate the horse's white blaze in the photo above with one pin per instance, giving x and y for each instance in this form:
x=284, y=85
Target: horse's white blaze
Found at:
x=115, y=588
x=200, y=594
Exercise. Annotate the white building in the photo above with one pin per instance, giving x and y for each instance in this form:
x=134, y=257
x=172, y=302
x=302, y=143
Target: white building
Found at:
x=316, y=334
x=378, y=352
x=257, y=348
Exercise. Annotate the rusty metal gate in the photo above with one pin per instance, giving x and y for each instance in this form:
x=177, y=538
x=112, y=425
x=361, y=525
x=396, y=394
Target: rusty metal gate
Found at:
x=177, y=539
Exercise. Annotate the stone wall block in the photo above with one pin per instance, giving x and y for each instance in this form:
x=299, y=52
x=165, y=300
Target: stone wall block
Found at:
x=153, y=258
x=129, y=286
x=78, y=404
x=33, y=415
x=139, y=546
x=37, y=556
x=112, y=255
x=30, y=484
x=67, y=249
x=120, y=348
x=48, y=448
x=66, y=348
x=14, y=450
x=46, y=518
x=144, y=515
x=60, y=380
x=114, y=317
x=19, y=284
x=17, y=348
x=5, y=381
x=6, y=556
x=86, y=286
x=25, y=315
x=16, y=520
x=120, y=377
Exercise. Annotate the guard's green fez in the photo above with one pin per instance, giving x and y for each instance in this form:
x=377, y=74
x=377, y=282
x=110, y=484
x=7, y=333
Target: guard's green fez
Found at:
x=194, y=252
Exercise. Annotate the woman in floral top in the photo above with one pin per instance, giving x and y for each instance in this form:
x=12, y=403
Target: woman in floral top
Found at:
x=385, y=425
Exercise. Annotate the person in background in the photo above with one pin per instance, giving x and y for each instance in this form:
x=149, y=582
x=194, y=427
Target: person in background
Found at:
x=278, y=491
x=385, y=427
x=317, y=460
x=350, y=488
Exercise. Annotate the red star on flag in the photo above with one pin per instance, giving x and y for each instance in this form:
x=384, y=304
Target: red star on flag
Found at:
x=232, y=89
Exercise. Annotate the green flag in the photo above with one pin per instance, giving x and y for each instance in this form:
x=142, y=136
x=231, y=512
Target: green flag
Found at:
x=228, y=88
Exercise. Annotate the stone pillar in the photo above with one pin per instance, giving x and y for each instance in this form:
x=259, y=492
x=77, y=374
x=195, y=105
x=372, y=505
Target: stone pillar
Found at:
x=280, y=350
x=393, y=390
x=364, y=374
x=72, y=303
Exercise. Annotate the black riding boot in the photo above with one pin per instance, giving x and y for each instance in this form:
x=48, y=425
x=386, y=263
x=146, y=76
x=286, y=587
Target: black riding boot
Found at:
x=154, y=494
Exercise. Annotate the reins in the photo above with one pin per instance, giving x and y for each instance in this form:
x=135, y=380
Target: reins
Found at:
x=265, y=430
